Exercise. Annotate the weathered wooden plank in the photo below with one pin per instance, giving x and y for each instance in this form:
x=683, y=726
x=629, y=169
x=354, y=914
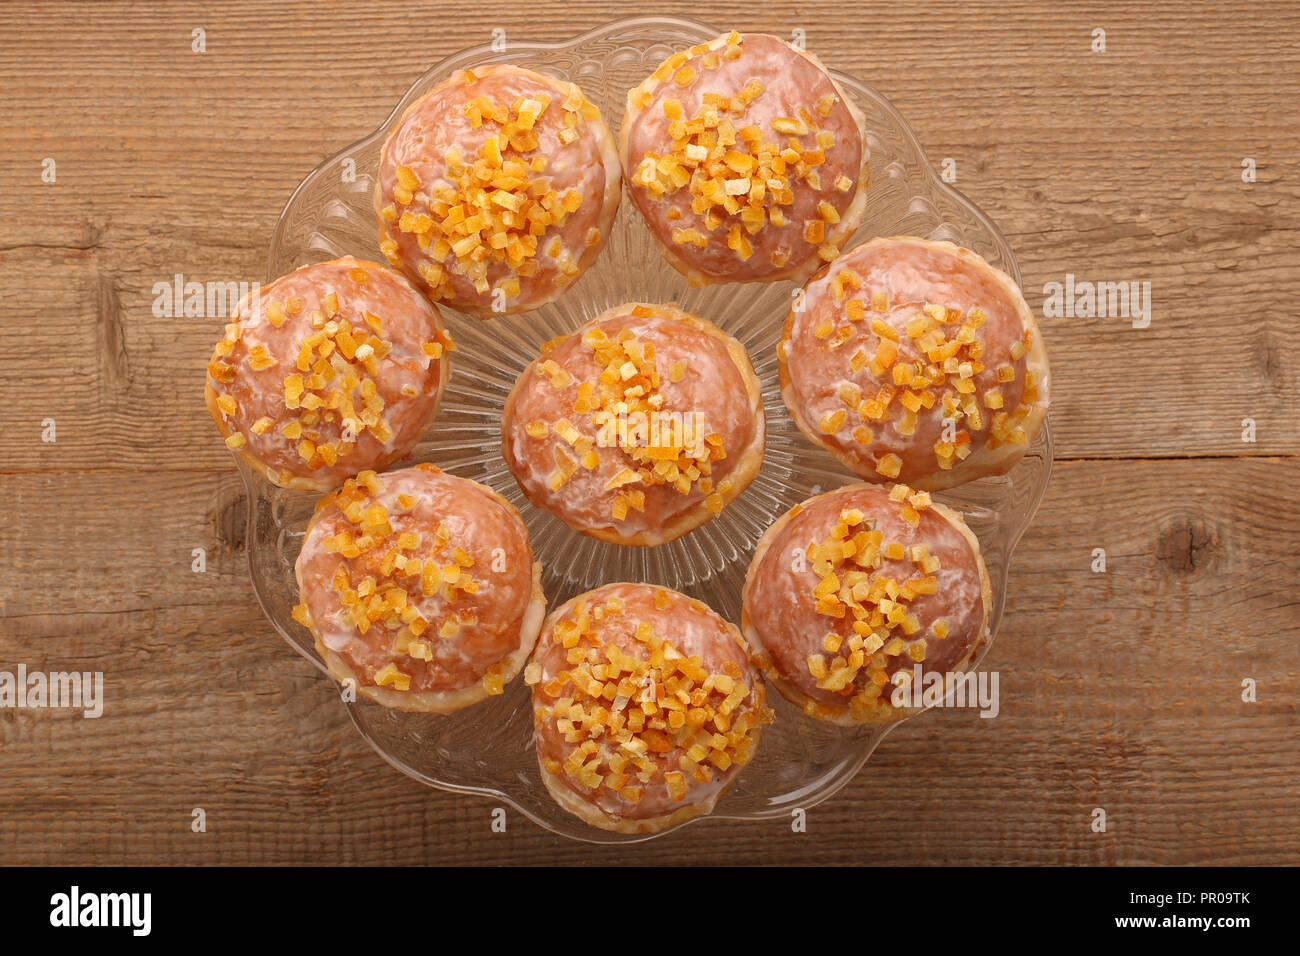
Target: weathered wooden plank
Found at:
x=1119, y=690
x=1096, y=165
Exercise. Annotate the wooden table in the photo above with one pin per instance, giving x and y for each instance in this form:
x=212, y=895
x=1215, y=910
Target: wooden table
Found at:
x=1120, y=690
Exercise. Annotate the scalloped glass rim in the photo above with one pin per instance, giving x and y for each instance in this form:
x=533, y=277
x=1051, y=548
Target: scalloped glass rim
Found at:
x=487, y=750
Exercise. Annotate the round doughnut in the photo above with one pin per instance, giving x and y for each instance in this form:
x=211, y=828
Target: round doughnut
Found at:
x=420, y=588
x=916, y=361
x=853, y=587
x=645, y=707
x=638, y=427
x=746, y=159
x=334, y=368
x=497, y=188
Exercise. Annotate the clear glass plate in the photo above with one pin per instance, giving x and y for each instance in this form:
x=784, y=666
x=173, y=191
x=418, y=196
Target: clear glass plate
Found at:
x=487, y=749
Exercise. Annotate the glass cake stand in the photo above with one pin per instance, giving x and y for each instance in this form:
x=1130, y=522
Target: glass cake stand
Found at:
x=487, y=749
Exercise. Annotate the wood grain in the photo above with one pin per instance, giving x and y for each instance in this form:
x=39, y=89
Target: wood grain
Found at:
x=1120, y=690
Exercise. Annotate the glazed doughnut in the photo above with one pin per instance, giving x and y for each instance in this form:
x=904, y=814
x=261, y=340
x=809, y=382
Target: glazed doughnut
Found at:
x=334, y=368
x=638, y=427
x=915, y=361
x=849, y=588
x=497, y=188
x=420, y=587
x=645, y=707
x=746, y=159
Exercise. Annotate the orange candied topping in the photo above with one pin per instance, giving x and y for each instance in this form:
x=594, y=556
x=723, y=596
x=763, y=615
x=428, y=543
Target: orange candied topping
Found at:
x=952, y=354
x=629, y=721
x=740, y=177
x=628, y=386
x=493, y=207
x=333, y=379
x=391, y=579
x=873, y=621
